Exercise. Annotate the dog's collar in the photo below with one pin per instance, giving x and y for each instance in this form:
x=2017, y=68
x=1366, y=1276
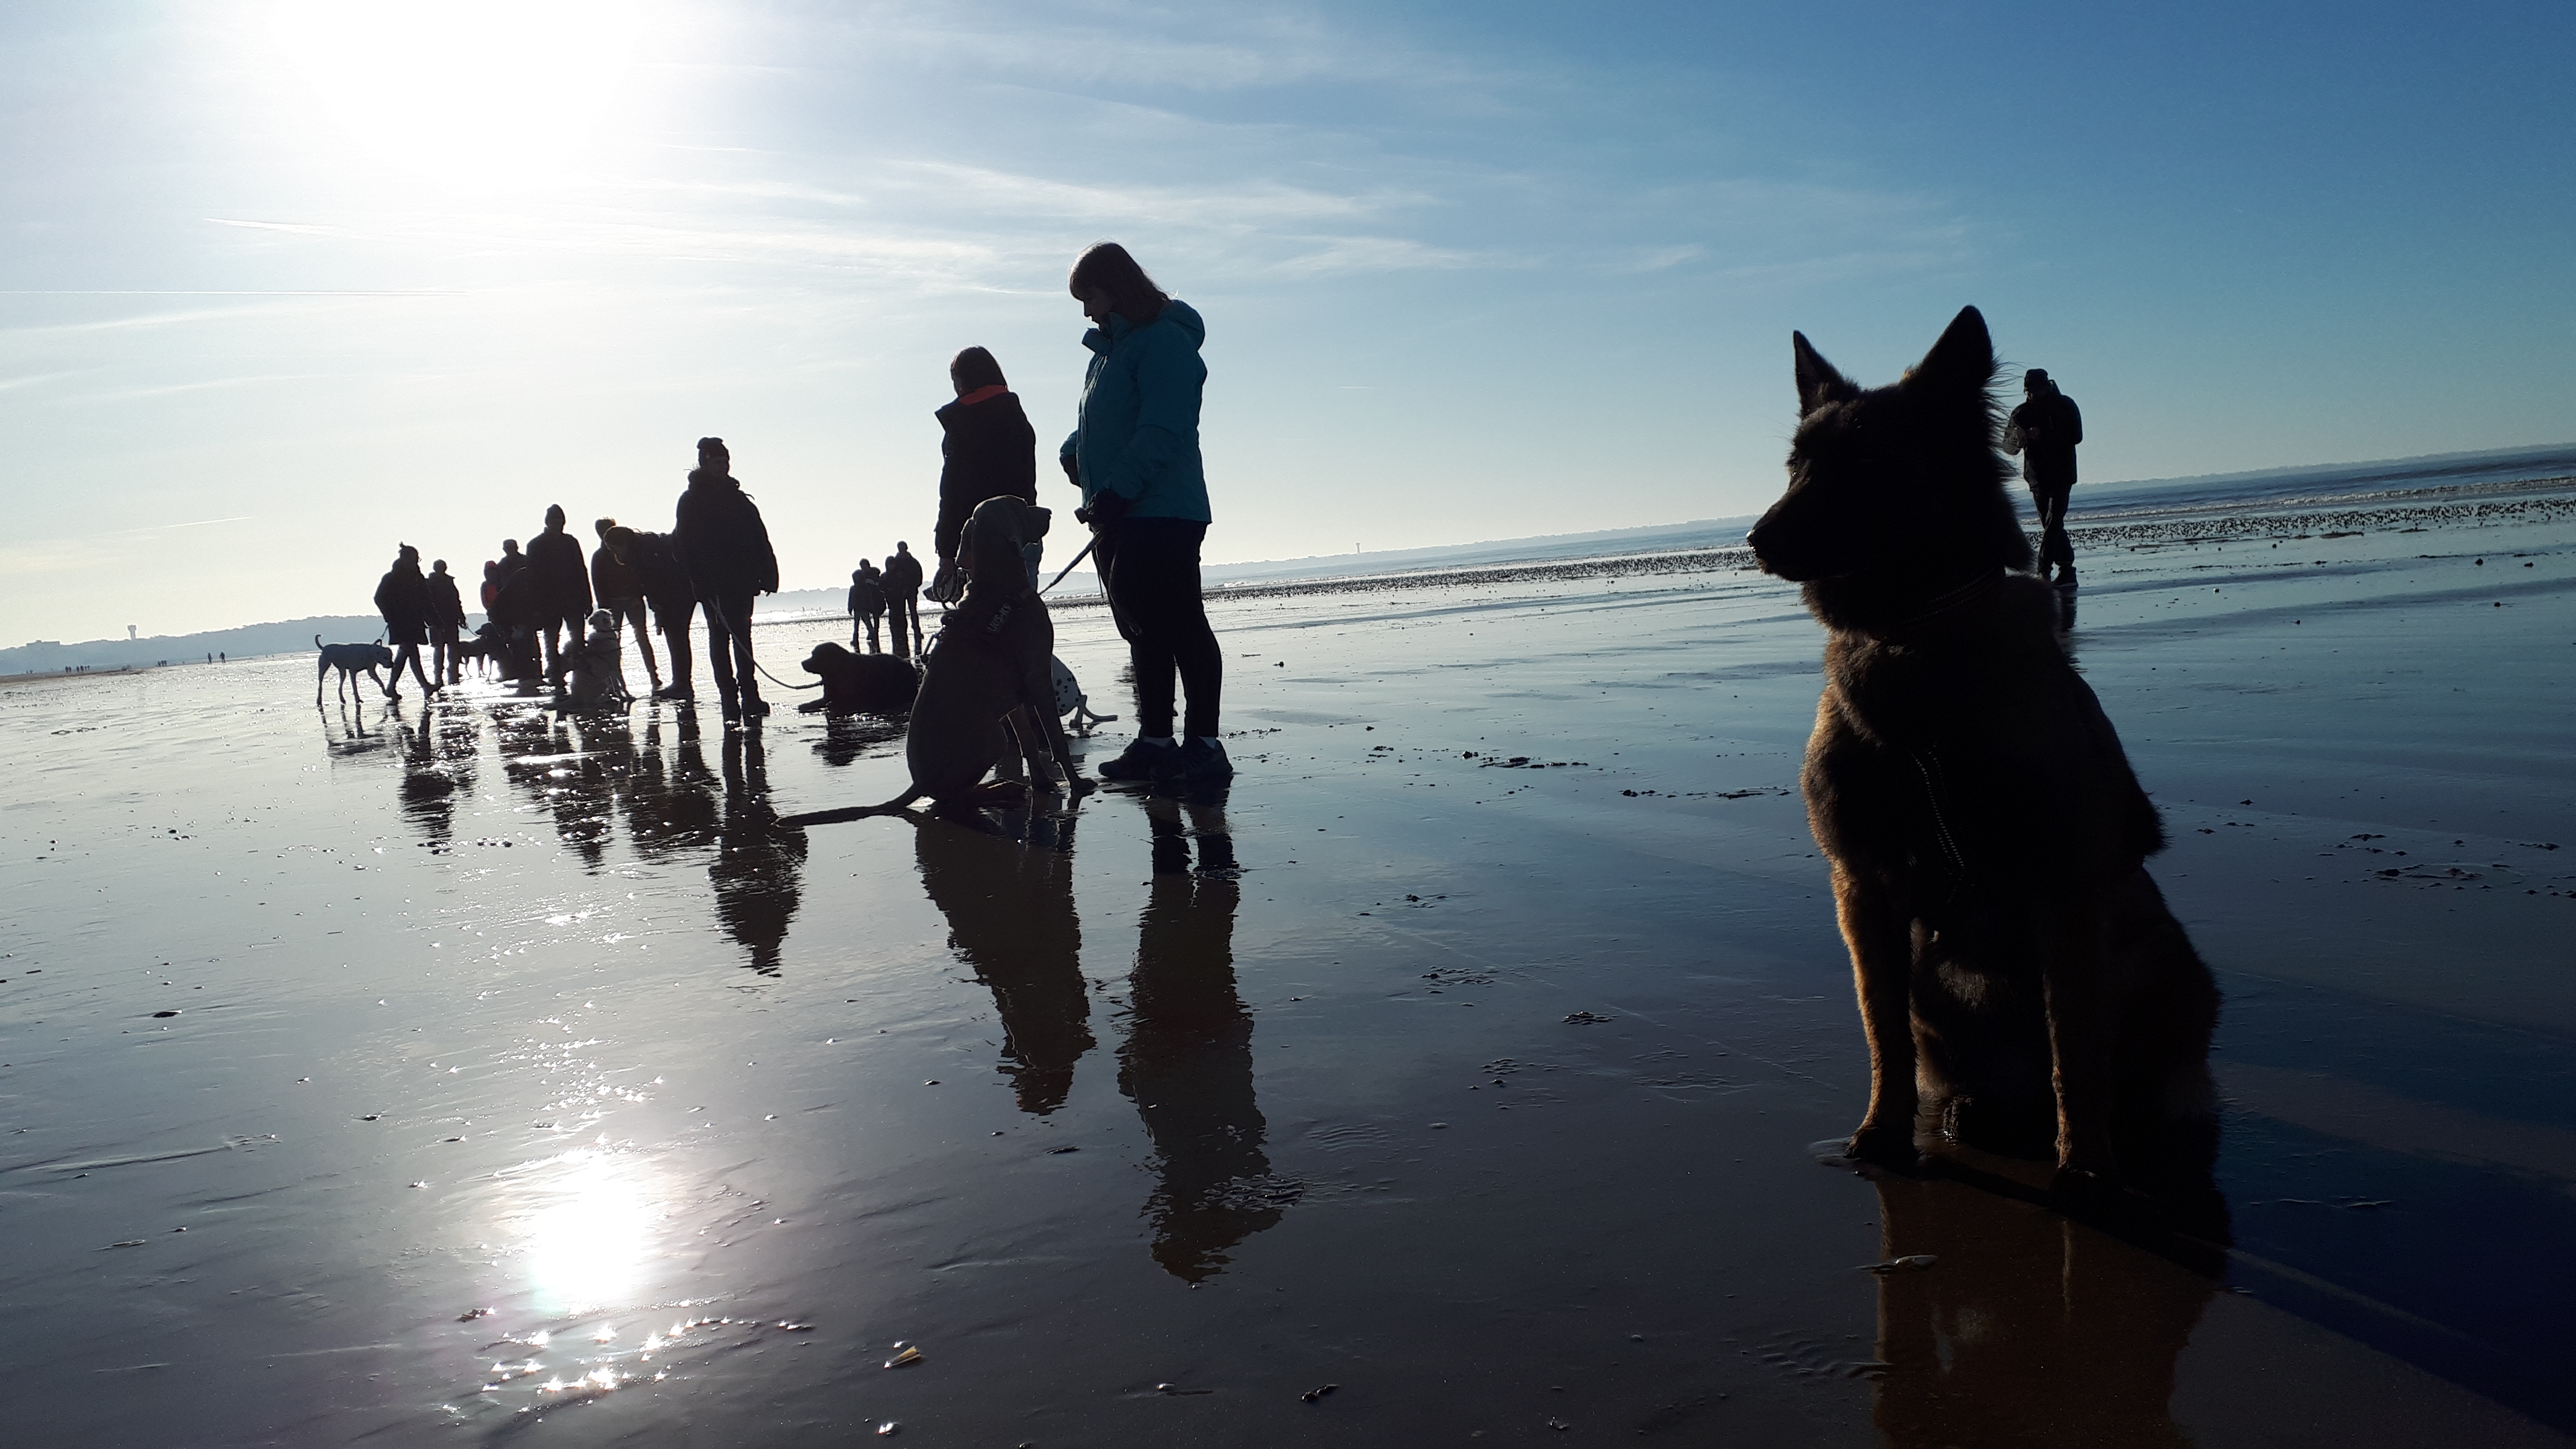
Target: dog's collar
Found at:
x=1964, y=594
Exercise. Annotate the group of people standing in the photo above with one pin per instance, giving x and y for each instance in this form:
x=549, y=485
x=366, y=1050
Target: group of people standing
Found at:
x=1133, y=456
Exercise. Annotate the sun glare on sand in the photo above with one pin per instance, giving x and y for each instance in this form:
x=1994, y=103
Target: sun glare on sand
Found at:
x=461, y=90
x=588, y=1239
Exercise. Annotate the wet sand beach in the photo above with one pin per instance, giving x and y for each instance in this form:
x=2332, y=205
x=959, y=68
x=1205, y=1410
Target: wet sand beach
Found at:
x=454, y=1072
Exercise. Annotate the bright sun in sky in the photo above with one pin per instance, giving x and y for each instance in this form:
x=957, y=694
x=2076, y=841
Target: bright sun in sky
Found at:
x=463, y=90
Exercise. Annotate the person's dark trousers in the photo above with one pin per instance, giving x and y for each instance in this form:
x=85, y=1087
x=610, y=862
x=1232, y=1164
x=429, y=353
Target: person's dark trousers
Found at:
x=672, y=618
x=870, y=621
x=895, y=615
x=729, y=649
x=579, y=624
x=2054, y=546
x=1149, y=567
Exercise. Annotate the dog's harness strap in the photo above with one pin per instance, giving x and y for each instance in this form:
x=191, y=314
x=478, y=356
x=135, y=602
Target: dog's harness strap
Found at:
x=1928, y=765
x=1971, y=590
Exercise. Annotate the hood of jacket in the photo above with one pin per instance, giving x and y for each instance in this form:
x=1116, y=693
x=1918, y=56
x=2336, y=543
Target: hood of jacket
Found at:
x=1177, y=314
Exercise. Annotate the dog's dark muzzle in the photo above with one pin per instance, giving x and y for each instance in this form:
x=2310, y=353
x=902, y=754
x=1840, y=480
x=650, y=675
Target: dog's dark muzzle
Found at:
x=1768, y=540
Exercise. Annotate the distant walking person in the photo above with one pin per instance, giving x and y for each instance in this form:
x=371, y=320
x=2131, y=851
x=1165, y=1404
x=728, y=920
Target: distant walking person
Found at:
x=867, y=603
x=989, y=450
x=725, y=548
x=903, y=597
x=2045, y=430
x=1135, y=456
x=402, y=597
x=622, y=595
x=446, y=618
x=563, y=585
x=665, y=585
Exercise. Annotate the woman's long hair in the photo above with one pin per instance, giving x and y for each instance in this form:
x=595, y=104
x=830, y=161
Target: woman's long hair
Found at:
x=1106, y=267
x=974, y=367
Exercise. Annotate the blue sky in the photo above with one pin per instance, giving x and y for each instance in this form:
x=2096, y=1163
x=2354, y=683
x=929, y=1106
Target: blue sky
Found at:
x=292, y=281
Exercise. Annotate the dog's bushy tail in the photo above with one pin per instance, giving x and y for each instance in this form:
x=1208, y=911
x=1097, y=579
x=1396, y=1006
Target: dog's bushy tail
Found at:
x=317, y=642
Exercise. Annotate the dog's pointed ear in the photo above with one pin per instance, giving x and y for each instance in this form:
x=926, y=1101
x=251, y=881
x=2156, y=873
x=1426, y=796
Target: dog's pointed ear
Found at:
x=1818, y=382
x=1962, y=361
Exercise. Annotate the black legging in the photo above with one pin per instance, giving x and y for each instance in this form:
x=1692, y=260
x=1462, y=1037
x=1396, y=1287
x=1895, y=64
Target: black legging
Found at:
x=2049, y=501
x=1149, y=567
x=729, y=646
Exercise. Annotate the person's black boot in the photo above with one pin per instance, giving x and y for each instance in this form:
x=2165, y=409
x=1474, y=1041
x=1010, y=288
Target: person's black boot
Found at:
x=1140, y=762
x=1196, y=762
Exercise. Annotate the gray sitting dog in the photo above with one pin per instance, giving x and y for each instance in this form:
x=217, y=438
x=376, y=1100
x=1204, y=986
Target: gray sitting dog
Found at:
x=987, y=697
x=349, y=659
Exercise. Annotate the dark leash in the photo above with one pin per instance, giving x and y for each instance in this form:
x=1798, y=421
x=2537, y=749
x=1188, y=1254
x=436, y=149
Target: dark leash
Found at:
x=1077, y=558
x=716, y=613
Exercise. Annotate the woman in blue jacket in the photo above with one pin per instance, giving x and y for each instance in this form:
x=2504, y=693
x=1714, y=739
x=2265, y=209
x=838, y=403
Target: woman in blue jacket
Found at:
x=1135, y=457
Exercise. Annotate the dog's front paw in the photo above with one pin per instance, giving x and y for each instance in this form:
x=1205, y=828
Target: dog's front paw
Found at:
x=1889, y=1147
x=2099, y=1197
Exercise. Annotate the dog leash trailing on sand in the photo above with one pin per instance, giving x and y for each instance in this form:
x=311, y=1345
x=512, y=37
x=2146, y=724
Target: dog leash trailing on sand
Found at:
x=818, y=684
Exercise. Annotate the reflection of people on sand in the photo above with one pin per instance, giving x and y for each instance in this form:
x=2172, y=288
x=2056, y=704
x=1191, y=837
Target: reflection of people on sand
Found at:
x=2045, y=430
x=1187, y=1060
x=543, y=757
x=669, y=809
x=2026, y=1328
x=1011, y=921
x=757, y=860
x=438, y=759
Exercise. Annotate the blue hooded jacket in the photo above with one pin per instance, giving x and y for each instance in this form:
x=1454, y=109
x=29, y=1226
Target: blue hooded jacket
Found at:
x=1139, y=433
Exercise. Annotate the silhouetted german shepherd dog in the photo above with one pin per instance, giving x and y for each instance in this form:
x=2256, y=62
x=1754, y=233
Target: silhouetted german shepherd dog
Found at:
x=2019, y=976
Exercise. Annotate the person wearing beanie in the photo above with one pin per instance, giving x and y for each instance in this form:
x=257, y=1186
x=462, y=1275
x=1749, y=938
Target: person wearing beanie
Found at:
x=724, y=546
x=562, y=585
x=2045, y=430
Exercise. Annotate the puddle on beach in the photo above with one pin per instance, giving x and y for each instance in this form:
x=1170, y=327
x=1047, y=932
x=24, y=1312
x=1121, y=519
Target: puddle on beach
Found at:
x=436, y=1072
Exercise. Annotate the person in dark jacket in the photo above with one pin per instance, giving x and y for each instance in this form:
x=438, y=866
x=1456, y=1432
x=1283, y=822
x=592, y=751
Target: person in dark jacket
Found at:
x=622, y=595
x=1135, y=456
x=724, y=546
x=513, y=607
x=665, y=585
x=867, y=603
x=402, y=597
x=988, y=449
x=902, y=580
x=563, y=585
x=2045, y=430
x=446, y=619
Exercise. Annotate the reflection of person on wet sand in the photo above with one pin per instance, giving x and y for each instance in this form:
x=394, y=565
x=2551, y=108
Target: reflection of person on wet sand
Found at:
x=757, y=860
x=2026, y=1329
x=426, y=787
x=669, y=811
x=1011, y=921
x=1187, y=1060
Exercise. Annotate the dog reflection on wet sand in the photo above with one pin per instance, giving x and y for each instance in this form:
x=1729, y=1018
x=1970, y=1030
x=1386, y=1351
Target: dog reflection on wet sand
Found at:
x=1008, y=895
x=2026, y=1328
x=2018, y=972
